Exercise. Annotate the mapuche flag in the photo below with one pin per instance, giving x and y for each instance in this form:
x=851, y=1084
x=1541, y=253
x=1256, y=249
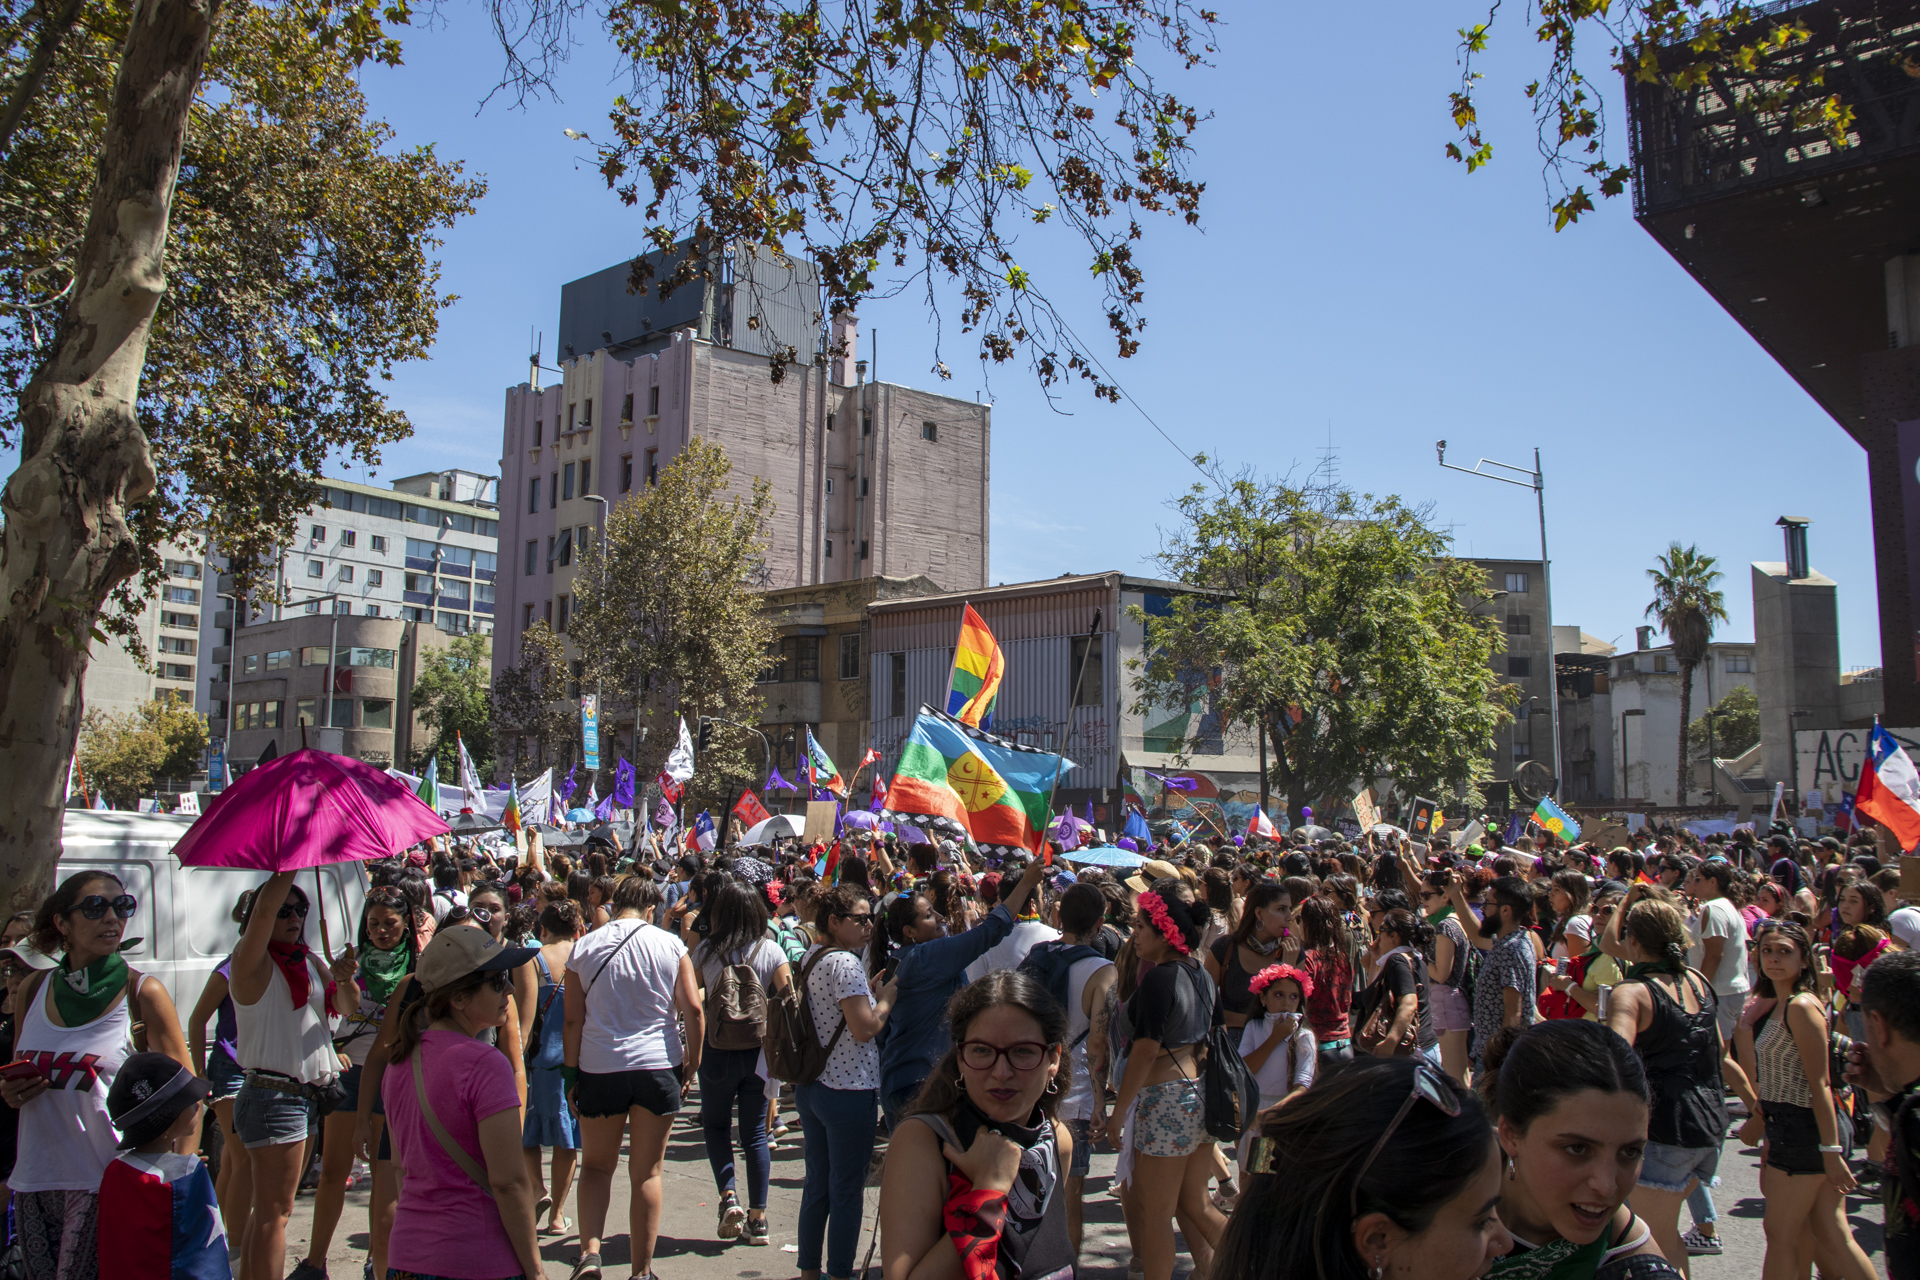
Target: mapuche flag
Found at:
x=1551, y=817
x=972, y=785
x=821, y=770
x=978, y=666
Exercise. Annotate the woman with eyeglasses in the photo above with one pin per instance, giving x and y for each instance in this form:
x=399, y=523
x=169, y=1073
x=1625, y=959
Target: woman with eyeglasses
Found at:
x=838, y=1110
x=1264, y=937
x=90, y=1008
x=1446, y=988
x=385, y=954
x=626, y=1064
x=1571, y=1105
x=1384, y=1168
x=977, y=1165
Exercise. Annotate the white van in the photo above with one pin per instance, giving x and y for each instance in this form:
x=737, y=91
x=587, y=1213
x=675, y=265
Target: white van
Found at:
x=185, y=921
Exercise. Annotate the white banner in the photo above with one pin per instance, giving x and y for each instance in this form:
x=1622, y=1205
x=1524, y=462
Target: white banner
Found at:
x=1829, y=760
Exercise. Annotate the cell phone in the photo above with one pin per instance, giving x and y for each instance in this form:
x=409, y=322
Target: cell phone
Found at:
x=22, y=1069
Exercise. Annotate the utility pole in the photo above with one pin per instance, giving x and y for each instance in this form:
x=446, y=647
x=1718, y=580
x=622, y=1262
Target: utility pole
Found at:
x=1536, y=481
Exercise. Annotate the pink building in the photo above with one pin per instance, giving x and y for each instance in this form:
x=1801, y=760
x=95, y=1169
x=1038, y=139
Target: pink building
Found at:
x=869, y=478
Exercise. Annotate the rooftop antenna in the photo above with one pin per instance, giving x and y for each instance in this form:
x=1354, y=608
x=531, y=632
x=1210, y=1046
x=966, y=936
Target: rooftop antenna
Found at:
x=534, y=374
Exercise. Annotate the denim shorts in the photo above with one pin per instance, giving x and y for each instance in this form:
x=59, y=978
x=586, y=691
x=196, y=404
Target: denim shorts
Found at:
x=1082, y=1147
x=269, y=1118
x=1665, y=1168
x=224, y=1074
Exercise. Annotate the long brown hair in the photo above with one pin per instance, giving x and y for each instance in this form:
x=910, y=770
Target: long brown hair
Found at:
x=1803, y=943
x=944, y=1088
x=439, y=1004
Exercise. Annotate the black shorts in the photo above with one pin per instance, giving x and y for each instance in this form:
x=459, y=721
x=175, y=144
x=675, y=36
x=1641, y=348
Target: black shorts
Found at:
x=1793, y=1138
x=598, y=1096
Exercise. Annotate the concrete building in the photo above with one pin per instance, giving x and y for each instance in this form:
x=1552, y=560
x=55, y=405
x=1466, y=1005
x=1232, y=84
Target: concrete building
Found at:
x=1519, y=608
x=870, y=479
x=170, y=627
x=1645, y=714
x=345, y=679
x=1043, y=629
x=1582, y=666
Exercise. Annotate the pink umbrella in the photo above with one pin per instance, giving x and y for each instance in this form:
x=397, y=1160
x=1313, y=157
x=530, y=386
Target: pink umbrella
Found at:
x=308, y=809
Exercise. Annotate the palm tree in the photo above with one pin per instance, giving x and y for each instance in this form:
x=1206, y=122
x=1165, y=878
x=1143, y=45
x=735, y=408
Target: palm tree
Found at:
x=1686, y=606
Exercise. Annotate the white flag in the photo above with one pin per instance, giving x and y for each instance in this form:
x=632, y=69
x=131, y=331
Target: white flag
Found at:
x=679, y=766
x=470, y=778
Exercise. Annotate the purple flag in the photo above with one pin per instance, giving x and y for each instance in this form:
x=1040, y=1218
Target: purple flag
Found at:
x=604, y=810
x=663, y=815
x=568, y=787
x=1089, y=810
x=839, y=821
x=624, y=779
x=775, y=780
x=1174, y=784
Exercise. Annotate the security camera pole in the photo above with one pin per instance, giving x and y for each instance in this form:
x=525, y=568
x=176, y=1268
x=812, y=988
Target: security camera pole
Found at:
x=1538, y=483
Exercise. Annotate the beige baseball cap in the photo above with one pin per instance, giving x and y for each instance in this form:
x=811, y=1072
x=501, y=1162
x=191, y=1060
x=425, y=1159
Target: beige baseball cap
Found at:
x=454, y=953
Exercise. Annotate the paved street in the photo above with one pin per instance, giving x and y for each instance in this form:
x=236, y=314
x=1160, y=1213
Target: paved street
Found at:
x=689, y=1251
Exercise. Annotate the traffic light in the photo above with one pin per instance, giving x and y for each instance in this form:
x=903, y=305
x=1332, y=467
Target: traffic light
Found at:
x=705, y=739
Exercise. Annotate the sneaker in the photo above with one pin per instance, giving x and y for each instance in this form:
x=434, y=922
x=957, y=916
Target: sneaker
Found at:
x=588, y=1268
x=1223, y=1202
x=731, y=1217
x=756, y=1231
x=307, y=1271
x=1698, y=1243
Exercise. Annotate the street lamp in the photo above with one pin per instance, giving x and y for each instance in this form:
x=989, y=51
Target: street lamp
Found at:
x=1626, y=782
x=1536, y=481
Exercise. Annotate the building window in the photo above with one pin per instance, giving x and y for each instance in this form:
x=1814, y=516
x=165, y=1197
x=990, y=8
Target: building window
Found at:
x=1094, y=681
x=563, y=615
x=863, y=486
x=626, y=408
x=566, y=551
x=382, y=658
x=1659, y=662
x=176, y=671
x=929, y=431
x=279, y=660
x=653, y=466
x=586, y=414
x=806, y=657
x=626, y=473
x=315, y=656
x=318, y=533
x=526, y=616
x=533, y=495
x=379, y=541
x=373, y=611
x=653, y=401
x=178, y=644
x=249, y=664
x=829, y=548
x=829, y=422
x=1519, y=624
x=548, y=614
x=455, y=592
x=180, y=595
x=850, y=656
x=376, y=713
x=1524, y=711
x=418, y=582
x=342, y=713
x=183, y=569
x=533, y=555
x=586, y=477
x=553, y=490
x=168, y=618
x=863, y=549
x=376, y=577
x=537, y=426
x=1523, y=751
x=897, y=684
x=313, y=606
x=1516, y=584
x=572, y=411
x=306, y=711
x=1739, y=663
x=315, y=569
x=866, y=424
x=829, y=486
x=1519, y=666
x=566, y=482
x=348, y=538
x=550, y=542
x=346, y=573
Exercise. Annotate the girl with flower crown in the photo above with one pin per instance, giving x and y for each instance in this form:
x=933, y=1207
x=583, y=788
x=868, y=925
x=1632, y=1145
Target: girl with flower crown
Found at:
x=1278, y=1045
x=1158, y=1120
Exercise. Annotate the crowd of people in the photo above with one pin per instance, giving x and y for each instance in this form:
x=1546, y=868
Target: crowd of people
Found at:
x=1520, y=1061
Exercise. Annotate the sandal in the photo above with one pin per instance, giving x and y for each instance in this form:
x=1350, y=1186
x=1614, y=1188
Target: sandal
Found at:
x=558, y=1227
x=542, y=1206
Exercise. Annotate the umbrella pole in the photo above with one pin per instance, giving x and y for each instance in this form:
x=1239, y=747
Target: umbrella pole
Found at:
x=320, y=900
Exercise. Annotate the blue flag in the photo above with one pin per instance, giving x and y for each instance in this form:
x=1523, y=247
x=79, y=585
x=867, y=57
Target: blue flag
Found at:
x=1137, y=827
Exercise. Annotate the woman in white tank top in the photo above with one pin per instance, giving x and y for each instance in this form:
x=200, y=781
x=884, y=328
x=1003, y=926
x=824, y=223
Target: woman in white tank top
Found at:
x=76, y=1028
x=283, y=996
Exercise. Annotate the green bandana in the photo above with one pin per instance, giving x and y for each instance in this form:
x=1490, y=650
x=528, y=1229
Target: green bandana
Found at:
x=381, y=971
x=83, y=996
x=1437, y=916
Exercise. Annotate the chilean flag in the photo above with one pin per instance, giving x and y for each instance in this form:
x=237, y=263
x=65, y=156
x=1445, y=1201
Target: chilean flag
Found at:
x=1890, y=789
x=1261, y=826
x=165, y=1222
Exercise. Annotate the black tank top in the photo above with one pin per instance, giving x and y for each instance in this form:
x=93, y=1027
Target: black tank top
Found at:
x=1681, y=1051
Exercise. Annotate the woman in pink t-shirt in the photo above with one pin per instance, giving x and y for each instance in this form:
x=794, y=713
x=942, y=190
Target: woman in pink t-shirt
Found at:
x=466, y=1206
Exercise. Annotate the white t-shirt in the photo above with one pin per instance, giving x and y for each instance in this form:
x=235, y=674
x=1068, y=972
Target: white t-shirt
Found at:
x=1721, y=919
x=851, y=1065
x=1904, y=924
x=445, y=900
x=631, y=1022
x=1078, y=1102
x=1012, y=949
x=1578, y=938
x=764, y=956
x=1272, y=1075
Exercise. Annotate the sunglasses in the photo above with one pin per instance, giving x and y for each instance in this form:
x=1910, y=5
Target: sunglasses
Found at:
x=457, y=914
x=500, y=981
x=289, y=910
x=981, y=1056
x=1428, y=1084
x=94, y=906
x=861, y=918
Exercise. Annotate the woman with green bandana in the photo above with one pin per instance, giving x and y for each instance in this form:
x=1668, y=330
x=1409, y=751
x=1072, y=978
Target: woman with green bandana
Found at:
x=385, y=952
x=78, y=1023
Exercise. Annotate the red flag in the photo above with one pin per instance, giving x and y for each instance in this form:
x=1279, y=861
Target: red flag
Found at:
x=749, y=809
x=868, y=758
x=671, y=790
x=879, y=792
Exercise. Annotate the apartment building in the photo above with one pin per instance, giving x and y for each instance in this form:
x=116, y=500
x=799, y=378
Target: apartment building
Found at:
x=171, y=629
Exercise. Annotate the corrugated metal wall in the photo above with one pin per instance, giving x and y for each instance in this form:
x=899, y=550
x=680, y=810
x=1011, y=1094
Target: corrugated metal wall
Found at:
x=1065, y=611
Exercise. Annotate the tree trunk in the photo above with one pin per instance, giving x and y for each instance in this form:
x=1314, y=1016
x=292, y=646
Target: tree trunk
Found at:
x=84, y=459
x=1686, y=718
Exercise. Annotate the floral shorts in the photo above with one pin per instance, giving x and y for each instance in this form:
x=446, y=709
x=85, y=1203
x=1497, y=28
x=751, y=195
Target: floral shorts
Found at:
x=1169, y=1119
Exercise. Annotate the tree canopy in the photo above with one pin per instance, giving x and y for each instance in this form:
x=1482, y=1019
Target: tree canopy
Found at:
x=1734, y=728
x=531, y=718
x=1338, y=625
x=123, y=754
x=453, y=700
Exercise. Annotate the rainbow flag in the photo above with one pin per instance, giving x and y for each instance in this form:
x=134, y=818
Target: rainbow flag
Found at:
x=971, y=785
x=978, y=666
x=510, y=816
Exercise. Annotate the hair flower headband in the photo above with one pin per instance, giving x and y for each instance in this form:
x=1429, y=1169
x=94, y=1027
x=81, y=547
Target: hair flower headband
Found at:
x=1156, y=909
x=1276, y=972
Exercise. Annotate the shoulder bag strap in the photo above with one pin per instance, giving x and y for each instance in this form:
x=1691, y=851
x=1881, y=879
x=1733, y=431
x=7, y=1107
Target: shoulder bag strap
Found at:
x=468, y=1165
x=610, y=955
x=806, y=993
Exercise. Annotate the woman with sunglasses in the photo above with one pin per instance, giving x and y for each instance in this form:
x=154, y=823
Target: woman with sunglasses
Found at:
x=1446, y=988
x=282, y=996
x=385, y=954
x=1572, y=1105
x=83, y=1010
x=976, y=1166
x=838, y=1110
x=1384, y=1168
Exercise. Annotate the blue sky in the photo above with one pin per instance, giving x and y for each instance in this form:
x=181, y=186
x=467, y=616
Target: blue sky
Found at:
x=1350, y=288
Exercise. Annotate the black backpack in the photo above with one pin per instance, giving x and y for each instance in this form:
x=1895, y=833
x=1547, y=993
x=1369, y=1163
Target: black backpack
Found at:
x=1051, y=964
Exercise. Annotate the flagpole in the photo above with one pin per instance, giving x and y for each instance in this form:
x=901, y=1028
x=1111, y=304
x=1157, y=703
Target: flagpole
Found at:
x=1073, y=696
